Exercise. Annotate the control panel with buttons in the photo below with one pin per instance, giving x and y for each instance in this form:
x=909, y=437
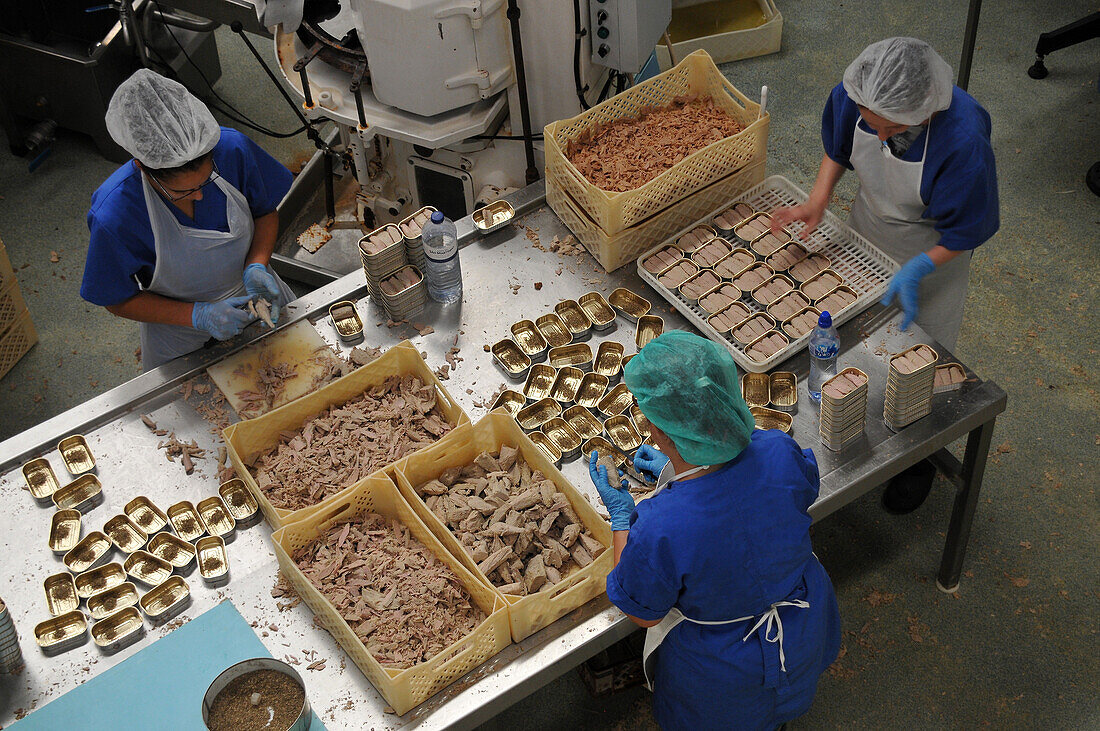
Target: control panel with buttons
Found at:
x=624, y=32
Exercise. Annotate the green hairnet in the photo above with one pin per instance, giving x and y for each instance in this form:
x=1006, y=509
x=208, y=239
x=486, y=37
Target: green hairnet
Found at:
x=687, y=386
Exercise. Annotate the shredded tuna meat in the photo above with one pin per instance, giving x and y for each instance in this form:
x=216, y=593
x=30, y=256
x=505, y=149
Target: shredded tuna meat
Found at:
x=403, y=603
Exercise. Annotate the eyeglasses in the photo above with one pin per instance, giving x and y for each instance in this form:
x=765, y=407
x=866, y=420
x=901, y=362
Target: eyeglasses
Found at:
x=178, y=195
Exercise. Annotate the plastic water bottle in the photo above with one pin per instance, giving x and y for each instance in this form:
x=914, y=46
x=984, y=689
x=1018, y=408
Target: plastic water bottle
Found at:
x=443, y=273
x=824, y=349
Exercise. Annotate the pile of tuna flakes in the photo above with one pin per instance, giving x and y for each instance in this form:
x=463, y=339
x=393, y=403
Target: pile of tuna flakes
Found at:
x=346, y=443
x=402, y=602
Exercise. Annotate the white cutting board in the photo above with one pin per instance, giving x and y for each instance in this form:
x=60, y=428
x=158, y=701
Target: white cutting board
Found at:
x=295, y=344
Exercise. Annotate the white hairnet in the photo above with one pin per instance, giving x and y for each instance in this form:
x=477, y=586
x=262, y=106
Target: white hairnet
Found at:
x=901, y=79
x=160, y=122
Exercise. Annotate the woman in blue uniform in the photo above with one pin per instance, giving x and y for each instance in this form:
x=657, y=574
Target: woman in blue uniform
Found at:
x=927, y=190
x=741, y=617
x=181, y=236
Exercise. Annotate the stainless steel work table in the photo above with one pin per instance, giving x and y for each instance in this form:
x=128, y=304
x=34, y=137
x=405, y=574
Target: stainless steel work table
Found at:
x=129, y=464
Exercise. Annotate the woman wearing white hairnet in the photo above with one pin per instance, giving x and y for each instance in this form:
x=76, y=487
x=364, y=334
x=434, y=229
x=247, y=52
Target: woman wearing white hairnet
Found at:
x=181, y=235
x=927, y=190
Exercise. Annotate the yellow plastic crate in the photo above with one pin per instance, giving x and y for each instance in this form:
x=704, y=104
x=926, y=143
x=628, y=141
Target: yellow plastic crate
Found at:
x=12, y=304
x=402, y=689
x=617, y=212
x=245, y=439
x=526, y=614
x=19, y=338
x=7, y=272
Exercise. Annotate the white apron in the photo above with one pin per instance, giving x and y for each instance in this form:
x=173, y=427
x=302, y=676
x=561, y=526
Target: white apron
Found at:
x=194, y=265
x=888, y=211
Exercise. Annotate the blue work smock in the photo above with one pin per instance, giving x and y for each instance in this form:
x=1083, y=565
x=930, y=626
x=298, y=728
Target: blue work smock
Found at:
x=726, y=545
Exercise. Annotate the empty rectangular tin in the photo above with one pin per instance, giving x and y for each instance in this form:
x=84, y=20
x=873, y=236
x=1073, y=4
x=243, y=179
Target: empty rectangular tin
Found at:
x=547, y=446
x=629, y=304
x=553, y=330
x=531, y=418
x=784, y=391
x=640, y=422
x=616, y=401
x=530, y=340
x=213, y=560
x=582, y=422
x=96, y=580
x=493, y=216
x=756, y=389
x=92, y=550
x=126, y=536
x=539, y=381
x=170, y=548
x=83, y=494
x=118, y=630
x=578, y=355
x=564, y=437
x=76, y=454
x=511, y=359
x=61, y=596
x=147, y=568
x=603, y=448
x=609, y=360
x=649, y=327
x=61, y=633
x=239, y=501
x=41, y=480
x=597, y=309
x=564, y=389
x=771, y=419
x=622, y=434
x=64, y=531
x=186, y=521
x=145, y=515
x=111, y=600
x=346, y=320
x=509, y=400
x=591, y=389
x=163, y=602
x=576, y=322
x=215, y=516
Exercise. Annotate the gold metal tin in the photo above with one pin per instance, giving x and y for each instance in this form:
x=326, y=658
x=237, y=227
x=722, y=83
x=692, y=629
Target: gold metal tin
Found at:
x=792, y=252
x=824, y=303
x=111, y=600
x=698, y=285
x=41, y=480
x=795, y=299
x=531, y=418
x=126, y=536
x=641, y=423
x=509, y=400
x=672, y=280
x=185, y=520
x=163, y=602
x=622, y=434
x=629, y=304
x=768, y=243
x=831, y=281
x=215, y=516
x=64, y=531
x=61, y=633
x=213, y=560
x=591, y=389
x=346, y=320
x=170, y=548
x=756, y=389
x=759, y=296
x=704, y=234
x=748, y=236
x=734, y=264
x=105, y=577
x=547, y=446
x=118, y=630
x=578, y=355
x=711, y=253
x=649, y=327
x=597, y=309
x=81, y=494
x=564, y=390
x=511, y=359
x=784, y=390
x=61, y=596
x=576, y=321
x=603, y=448
x=655, y=266
x=616, y=401
x=793, y=333
x=950, y=371
x=626, y=359
x=529, y=340
x=539, y=381
x=76, y=454
x=728, y=318
x=553, y=330
x=817, y=260
x=751, y=346
x=582, y=422
x=146, y=515
x=771, y=419
x=239, y=501
x=922, y=371
x=88, y=553
x=719, y=298
x=746, y=338
x=493, y=216
x=732, y=217
x=744, y=284
x=563, y=436
x=609, y=360
x=147, y=568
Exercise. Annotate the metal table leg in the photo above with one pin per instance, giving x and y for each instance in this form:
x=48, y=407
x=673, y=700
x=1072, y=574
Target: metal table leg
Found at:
x=966, y=502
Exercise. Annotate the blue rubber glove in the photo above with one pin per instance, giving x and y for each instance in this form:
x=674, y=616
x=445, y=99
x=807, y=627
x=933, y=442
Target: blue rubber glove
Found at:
x=261, y=283
x=905, y=285
x=222, y=319
x=619, y=502
x=649, y=460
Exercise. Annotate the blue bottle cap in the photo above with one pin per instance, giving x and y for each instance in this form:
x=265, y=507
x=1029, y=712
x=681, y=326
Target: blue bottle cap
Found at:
x=826, y=320
x=437, y=216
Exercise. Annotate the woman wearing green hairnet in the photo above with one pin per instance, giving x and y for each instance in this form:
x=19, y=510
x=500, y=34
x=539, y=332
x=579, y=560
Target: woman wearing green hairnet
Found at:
x=717, y=564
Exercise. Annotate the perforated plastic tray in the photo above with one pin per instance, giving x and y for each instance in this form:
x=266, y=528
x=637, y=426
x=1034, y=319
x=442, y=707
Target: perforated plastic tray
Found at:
x=863, y=266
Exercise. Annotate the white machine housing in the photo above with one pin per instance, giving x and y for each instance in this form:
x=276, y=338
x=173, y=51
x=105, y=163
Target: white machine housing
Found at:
x=627, y=30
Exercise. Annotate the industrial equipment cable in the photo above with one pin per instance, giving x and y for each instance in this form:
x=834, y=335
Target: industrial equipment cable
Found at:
x=578, y=34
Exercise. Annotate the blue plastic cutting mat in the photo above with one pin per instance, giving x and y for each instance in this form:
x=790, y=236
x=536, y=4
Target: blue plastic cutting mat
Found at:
x=171, y=675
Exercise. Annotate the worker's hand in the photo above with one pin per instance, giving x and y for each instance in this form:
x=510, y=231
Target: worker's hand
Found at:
x=809, y=213
x=650, y=460
x=222, y=319
x=619, y=502
x=261, y=283
x=905, y=285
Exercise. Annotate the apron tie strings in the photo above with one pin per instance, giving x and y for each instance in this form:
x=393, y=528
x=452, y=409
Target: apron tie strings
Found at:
x=773, y=626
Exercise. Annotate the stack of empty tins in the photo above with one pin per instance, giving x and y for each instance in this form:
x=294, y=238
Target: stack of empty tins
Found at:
x=843, y=408
x=391, y=281
x=909, y=386
x=412, y=228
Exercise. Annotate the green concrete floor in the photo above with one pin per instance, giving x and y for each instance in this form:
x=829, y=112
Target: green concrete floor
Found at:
x=1018, y=646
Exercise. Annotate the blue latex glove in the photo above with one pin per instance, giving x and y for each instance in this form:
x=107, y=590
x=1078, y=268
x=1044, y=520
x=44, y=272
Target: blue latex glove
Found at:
x=905, y=285
x=261, y=283
x=222, y=319
x=649, y=460
x=619, y=503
